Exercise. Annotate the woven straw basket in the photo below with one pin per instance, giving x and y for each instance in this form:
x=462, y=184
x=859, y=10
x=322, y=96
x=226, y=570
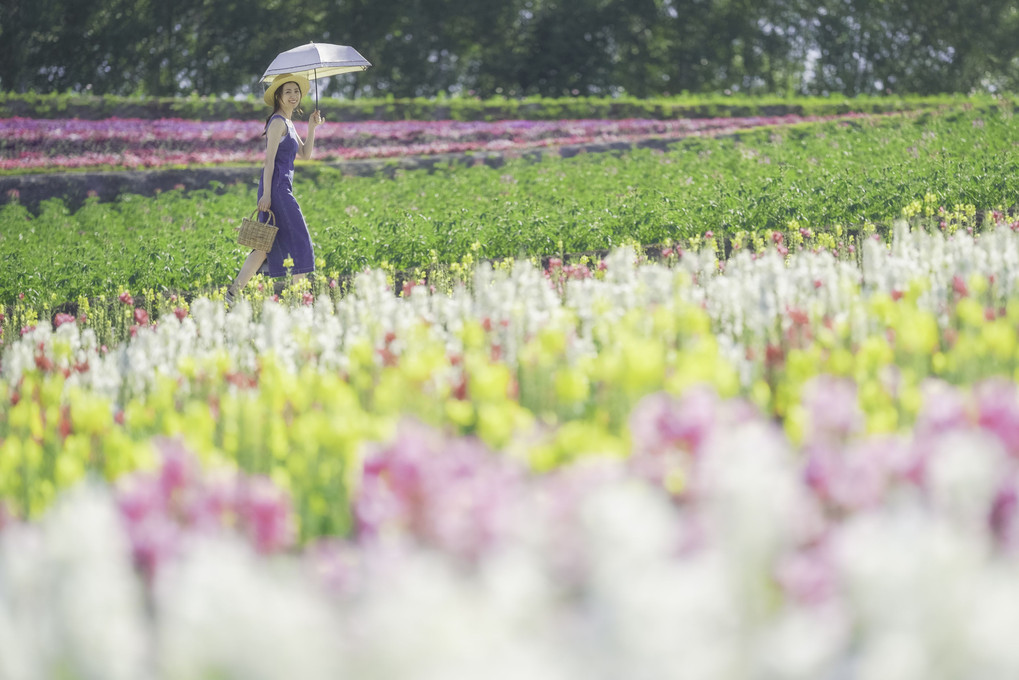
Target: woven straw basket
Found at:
x=258, y=235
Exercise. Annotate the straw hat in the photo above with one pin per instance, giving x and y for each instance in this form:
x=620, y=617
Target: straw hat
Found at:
x=282, y=79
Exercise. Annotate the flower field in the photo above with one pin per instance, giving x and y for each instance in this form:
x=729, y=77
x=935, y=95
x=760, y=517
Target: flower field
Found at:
x=837, y=178
x=775, y=453
x=34, y=145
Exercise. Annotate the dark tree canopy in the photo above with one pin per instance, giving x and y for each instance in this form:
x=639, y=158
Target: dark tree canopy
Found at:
x=517, y=47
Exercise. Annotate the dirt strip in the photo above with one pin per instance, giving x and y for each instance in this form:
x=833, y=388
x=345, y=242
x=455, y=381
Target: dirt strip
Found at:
x=74, y=187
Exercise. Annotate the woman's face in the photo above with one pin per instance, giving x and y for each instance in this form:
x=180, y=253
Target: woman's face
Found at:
x=290, y=96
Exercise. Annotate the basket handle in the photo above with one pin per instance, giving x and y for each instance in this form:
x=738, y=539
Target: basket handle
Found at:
x=272, y=216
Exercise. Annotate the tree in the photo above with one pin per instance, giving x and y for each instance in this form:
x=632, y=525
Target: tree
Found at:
x=516, y=47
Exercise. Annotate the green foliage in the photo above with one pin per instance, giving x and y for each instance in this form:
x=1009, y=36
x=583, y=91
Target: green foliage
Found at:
x=516, y=48
x=832, y=175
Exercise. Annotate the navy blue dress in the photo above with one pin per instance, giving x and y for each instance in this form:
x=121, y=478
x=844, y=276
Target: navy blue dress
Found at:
x=292, y=239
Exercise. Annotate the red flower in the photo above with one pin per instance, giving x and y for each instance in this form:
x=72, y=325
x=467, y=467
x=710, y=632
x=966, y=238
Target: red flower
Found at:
x=126, y=298
x=141, y=317
x=180, y=313
x=774, y=355
x=798, y=316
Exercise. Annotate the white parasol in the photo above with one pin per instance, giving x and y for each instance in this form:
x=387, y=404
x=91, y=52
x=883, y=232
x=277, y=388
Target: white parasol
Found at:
x=316, y=60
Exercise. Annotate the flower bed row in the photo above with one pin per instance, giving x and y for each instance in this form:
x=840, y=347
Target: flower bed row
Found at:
x=27, y=144
x=546, y=362
x=611, y=467
x=717, y=547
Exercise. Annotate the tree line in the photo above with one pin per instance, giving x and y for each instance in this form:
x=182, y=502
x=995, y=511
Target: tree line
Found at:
x=517, y=48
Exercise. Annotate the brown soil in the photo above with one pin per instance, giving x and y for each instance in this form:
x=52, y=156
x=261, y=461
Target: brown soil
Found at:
x=74, y=187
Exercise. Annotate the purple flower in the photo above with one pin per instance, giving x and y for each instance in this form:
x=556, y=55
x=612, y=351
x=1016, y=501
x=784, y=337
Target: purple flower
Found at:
x=1002, y=519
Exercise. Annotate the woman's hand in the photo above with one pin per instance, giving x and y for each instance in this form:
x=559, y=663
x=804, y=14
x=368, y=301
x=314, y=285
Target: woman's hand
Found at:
x=264, y=203
x=315, y=120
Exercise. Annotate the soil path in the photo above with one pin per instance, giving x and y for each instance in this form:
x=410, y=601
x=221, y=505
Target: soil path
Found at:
x=75, y=187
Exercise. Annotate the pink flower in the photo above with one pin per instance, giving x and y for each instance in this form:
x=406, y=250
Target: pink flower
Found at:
x=998, y=411
x=1002, y=518
x=832, y=408
x=126, y=298
x=662, y=422
x=808, y=576
x=180, y=313
x=452, y=494
x=141, y=317
x=265, y=514
x=163, y=509
x=60, y=319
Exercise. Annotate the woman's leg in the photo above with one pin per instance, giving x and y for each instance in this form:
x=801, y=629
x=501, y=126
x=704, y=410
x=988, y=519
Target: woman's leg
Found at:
x=248, y=269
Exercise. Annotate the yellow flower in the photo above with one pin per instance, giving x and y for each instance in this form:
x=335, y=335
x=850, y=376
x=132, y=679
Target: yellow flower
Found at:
x=572, y=385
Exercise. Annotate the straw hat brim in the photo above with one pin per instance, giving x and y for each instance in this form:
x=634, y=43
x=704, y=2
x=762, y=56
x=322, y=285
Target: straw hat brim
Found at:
x=281, y=80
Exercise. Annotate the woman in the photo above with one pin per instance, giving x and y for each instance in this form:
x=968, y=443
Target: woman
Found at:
x=282, y=145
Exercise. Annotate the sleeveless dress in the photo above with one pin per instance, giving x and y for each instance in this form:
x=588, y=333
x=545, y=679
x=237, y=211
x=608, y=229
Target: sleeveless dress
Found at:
x=292, y=239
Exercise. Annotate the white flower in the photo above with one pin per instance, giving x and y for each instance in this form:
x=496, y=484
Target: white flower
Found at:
x=222, y=611
x=70, y=597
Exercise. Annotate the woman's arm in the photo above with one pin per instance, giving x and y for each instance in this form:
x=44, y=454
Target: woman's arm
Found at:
x=307, y=147
x=273, y=136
